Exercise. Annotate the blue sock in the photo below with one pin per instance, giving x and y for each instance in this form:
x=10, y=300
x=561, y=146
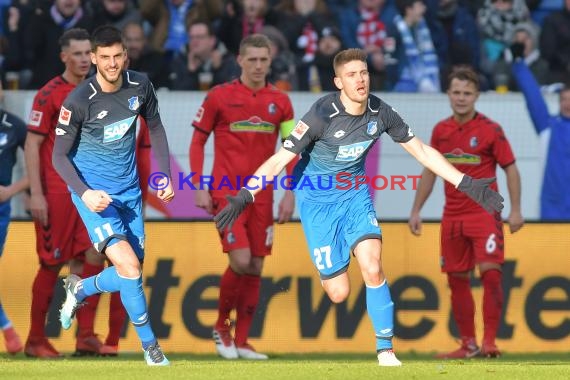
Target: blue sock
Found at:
x=134, y=301
x=105, y=282
x=4, y=321
x=381, y=311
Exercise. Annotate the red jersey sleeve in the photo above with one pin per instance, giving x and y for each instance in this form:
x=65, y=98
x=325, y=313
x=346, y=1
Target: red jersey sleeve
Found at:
x=502, y=149
x=205, y=118
x=42, y=114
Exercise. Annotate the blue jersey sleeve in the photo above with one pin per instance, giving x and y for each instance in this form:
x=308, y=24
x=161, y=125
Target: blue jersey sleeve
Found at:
x=531, y=90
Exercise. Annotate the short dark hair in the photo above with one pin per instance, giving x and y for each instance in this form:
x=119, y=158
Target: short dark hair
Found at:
x=254, y=40
x=77, y=34
x=209, y=27
x=464, y=72
x=106, y=35
x=348, y=55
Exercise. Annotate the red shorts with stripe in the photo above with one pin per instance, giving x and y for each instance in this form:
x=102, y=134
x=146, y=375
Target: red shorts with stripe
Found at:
x=65, y=236
x=253, y=229
x=471, y=240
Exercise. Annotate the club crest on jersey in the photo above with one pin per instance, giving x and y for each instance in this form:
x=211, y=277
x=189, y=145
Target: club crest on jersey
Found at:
x=64, y=116
x=134, y=103
x=3, y=139
x=353, y=151
x=372, y=127
x=116, y=131
x=473, y=142
x=35, y=118
x=271, y=108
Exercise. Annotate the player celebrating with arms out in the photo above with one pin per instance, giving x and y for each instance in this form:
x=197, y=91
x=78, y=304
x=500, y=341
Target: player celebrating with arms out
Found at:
x=94, y=153
x=335, y=136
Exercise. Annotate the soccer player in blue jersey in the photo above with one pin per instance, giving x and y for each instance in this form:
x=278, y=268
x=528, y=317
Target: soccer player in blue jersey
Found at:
x=334, y=138
x=12, y=136
x=94, y=153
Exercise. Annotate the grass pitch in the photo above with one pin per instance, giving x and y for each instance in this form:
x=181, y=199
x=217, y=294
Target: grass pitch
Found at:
x=291, y=367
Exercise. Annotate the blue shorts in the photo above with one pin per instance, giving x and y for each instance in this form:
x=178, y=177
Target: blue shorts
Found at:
x=4, y=222
x=121, y=220
x=333, y=230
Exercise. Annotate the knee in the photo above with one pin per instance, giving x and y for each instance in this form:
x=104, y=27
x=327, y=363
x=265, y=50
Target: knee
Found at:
x=373, y=275
x=338, y=294
x=128, y=270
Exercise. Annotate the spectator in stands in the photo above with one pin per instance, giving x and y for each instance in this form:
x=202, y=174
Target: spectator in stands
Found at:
x=207, y=10
x=554, y=132
x=415, y=67
x=473, y=6
x=142, y=57
x=243, y=18
x=364, y=26
x=206, y=63
x=301, y=22
x=455, y=35
x=168, y=19
x=41, y=36
x=330, y=43
x=555, y=43
x=539, y=9
x=524, y=45
x=497, y=20
x=282, y=72
x=115, y=12
x=17, y=16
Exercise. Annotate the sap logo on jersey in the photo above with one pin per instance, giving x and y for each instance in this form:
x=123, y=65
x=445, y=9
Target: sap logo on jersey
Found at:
x=353, y=151
x=116, y=131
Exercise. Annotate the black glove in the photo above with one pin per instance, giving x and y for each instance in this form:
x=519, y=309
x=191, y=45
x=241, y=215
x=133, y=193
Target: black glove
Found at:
x=517, y=50
x=480, y=192
x=235, y=206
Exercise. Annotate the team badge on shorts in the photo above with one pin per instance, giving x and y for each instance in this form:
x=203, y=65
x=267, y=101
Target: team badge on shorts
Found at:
x=372, y=218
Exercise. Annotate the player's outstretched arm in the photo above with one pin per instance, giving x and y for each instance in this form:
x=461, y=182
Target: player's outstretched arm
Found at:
x=476, y=189
x=236, y=204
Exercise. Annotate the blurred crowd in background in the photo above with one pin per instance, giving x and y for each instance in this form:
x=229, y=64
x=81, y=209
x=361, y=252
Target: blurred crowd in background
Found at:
x=192, y=44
